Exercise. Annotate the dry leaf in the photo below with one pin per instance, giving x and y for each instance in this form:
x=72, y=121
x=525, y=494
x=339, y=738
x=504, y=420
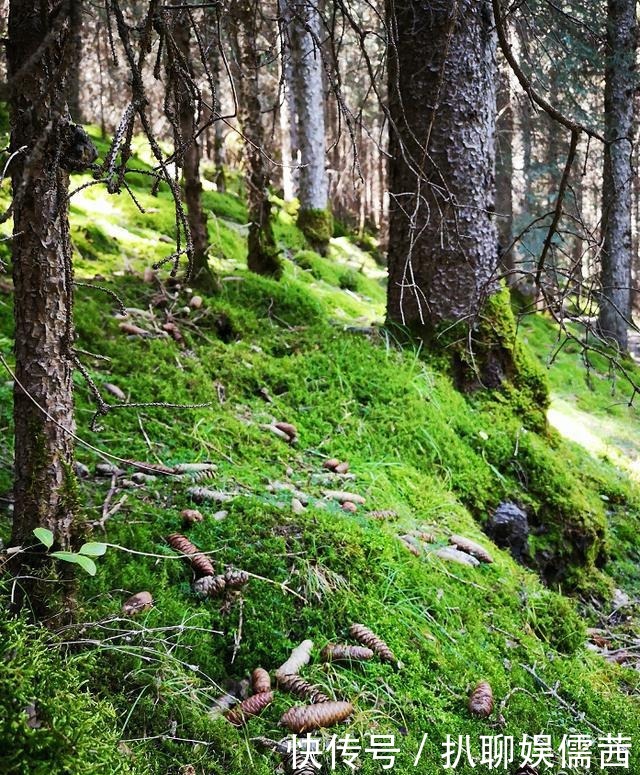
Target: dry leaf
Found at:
x=141, y=601
x=470, y=547
x=368, y=638
x=305, y=718
x=260, y=681
x=342, y=652
x=252, y=706
x=481, y=700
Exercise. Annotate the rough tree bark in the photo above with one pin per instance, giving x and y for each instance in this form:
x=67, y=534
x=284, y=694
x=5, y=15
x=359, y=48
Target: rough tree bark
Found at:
x=243, y=23
x=43, y=391
x=504, y=172
x=188, y=148
x=615, y=277
x=287, y=112
x=443, y=251
x=305, y=34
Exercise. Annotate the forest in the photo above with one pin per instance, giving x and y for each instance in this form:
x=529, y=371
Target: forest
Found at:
x=319, y=376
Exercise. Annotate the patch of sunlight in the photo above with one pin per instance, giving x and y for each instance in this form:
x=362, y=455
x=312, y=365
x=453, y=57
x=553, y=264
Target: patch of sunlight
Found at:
x=343, y=250
x=603, y=436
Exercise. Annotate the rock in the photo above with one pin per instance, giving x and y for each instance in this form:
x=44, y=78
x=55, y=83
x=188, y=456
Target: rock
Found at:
x=297, y=506
x=218, y=516
x=508, y=527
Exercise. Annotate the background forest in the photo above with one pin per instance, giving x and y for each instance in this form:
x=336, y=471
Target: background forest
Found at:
x=319, y=398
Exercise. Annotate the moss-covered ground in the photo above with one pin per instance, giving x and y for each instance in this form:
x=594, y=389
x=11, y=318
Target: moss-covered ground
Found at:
x=118, y=694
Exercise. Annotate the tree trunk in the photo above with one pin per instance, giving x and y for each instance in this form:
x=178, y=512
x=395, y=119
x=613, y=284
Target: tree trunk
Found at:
x=504, y=173
x=188, y=148
x=43, y=391
x=615, y=301
x=443, y=251
x=305, y=34
x=288, y=114
x=263, y=255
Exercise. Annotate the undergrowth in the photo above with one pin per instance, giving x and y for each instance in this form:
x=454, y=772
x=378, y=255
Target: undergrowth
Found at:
x=299, y=350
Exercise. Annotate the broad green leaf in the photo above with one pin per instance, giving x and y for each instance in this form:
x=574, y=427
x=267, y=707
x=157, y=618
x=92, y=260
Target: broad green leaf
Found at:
x=93, y=549
x=66, y=556
x=44, y=535
x=86, y=563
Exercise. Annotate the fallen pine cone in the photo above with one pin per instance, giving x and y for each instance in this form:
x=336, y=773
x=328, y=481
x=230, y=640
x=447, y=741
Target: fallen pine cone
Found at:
x=424, y=535
x=481, y=700
x=339, y=652
x=300, y=657
x=260, y=681
x=173, y=331
x=470, y=547
x=288, y=428
x=236, y=578
x=133, y=330
x=296, y=685
x=349, y=506
x=304, y=718
x=200, y=494
x=331, y=464
x=342, y=468
x=368, y=638
x=210, y=586
x=412, y=544
x=137, y=603
x=115, y=391
x=252, y=706
x=341, y=496
x=199, y=562
x=455, y=555
x=382, y=514
x=190, y=516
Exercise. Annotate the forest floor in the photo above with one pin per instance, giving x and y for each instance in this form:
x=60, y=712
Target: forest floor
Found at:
x=115, y=693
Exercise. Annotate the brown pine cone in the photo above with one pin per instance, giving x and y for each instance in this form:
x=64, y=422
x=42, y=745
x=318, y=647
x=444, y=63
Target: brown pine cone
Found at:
x=199, y=562
x=260, y=681
x=470, y=547
x=481, y=700
x=297, y=686
x=368, y=638
x=236, y=578
x=305, y=718
x=190, y=516
x=300, y=657
x=339, y=652
x=210, y=586
x=252, y=706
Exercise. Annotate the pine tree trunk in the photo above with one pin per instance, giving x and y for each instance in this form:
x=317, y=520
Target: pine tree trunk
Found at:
x=188, y=150
x=443, y=251
x=263, y=255
x=615, y=302
x=305, y=35
x=43, y=391
x=288, y=114
x=504, y=172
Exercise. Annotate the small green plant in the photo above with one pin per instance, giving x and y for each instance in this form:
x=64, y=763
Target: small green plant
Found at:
x=83, y=557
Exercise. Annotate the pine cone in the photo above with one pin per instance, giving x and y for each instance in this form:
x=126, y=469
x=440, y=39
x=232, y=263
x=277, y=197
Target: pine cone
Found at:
x=304, y=718
x=236, y=578
x=210, y=586
x=481, y=700
x=260, y=681
x=199, y=562
x=300, y=657
x=470, y=547
x=252, y=706
x=190, y=516
x=364, y=635
x=339, y=652
x=382, y=514
x=296, y=685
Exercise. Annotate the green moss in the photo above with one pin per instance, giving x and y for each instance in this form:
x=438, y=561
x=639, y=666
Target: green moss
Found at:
x=556, y=621
x=317, y=226
x=49, y=722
